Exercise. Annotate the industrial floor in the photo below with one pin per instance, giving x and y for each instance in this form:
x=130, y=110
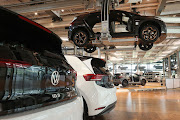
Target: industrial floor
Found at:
x=145, y=105
x=148, y=87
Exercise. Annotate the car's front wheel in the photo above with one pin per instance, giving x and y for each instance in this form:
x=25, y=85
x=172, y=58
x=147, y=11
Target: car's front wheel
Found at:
x=143, y=82
x=85, y=113
x=149, y=33
x=80, y=38
x=145, y=46
x=116, y=84
x=125, y=83
x=90, y=49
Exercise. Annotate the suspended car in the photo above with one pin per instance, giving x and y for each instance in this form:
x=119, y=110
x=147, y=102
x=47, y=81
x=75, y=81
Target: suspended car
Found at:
x=150, y=30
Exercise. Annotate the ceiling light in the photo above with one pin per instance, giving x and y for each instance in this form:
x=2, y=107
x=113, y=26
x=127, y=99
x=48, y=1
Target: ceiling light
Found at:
x=35, y=13
x=176, y=42
x=62, y=10
x=64, y=38
x=173, y=47
x=167, y=52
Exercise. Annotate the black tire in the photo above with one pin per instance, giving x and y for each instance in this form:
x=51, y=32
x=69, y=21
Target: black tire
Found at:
x=149, y=33
x=90, y=49
x=145, y=46
x=85, y=113
x=80, y=38
x=125, y=83
x=116, y=84
x=143, y=82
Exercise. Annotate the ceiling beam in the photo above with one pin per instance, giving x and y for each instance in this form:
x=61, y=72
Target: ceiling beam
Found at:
x=170, y=19
x=56, y=5
x=161, y=6
x=171, y=8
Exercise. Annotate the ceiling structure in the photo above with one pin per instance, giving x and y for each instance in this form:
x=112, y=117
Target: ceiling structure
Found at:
x=58, y=14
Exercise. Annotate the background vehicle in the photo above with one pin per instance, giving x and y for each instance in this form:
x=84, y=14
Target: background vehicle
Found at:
x=134, y=79
x=94, y=85
x=34, y=73
x=137, y=79
x=147, y=28
x=120, y=79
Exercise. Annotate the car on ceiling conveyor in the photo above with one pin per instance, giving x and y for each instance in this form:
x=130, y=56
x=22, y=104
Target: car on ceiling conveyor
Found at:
x=148, y=28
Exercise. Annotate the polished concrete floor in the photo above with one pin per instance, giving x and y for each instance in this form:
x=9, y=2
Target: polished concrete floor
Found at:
x=145, y=105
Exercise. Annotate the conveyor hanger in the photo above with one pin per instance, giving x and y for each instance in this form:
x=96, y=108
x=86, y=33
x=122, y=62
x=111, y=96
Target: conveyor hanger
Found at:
x=105, y=34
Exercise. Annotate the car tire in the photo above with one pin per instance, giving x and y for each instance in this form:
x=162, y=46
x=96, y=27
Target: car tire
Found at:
x=143, y=82
x=80, y=38
x=149, y=33
x=85, y=112
x=145, y=46
x=116, y=84
x=90, y=49
x=125, y=83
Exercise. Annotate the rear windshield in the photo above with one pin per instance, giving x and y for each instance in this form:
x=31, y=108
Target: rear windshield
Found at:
x=32, y=79
x=98, y=66
x=17, y=29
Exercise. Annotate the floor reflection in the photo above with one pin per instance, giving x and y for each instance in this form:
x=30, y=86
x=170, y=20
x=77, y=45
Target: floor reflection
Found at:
x=145, y=105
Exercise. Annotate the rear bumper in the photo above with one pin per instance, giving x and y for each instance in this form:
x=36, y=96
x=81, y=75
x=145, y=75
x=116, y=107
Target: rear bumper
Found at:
x=103, y=97
x=108, y=109
x=70, y=110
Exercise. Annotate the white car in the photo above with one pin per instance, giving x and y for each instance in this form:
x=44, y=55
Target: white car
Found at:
x=94, y=84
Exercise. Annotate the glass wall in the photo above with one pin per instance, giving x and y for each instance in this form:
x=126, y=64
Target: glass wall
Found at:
x=174, y=65
x=166, y=66
x=134, y=68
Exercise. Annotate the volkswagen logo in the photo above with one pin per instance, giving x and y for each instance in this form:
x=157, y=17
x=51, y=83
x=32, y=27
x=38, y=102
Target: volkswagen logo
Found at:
x=55, y=77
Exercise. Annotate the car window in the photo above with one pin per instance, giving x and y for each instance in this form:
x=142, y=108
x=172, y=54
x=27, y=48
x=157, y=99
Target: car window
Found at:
x=31, y=79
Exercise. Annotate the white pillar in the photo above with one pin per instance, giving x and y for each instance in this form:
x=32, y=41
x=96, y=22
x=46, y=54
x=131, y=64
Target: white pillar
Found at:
x=113, y=68
x=169, y=67
x=99, y=52
x=75, y=50
x=84, y=53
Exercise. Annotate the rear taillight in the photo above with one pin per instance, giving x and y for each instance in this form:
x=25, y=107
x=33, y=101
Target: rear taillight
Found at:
x=93, y=77
x=36, y=24
x=100, y=108
x=72, y=24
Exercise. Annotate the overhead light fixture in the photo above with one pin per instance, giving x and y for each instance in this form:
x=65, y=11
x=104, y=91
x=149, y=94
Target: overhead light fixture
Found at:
x=167, y=52
x=35, y=13
x=173, y=47
x=62, y=10
x=64, y=38
x=134, y=1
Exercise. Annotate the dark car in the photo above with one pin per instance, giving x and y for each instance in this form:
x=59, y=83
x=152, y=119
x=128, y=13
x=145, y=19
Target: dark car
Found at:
x=33, y=71
x=147, y=28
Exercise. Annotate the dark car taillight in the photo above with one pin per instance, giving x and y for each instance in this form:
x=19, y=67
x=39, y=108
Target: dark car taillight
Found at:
x=93, y=77
x=72, y=24
x=33, y=23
